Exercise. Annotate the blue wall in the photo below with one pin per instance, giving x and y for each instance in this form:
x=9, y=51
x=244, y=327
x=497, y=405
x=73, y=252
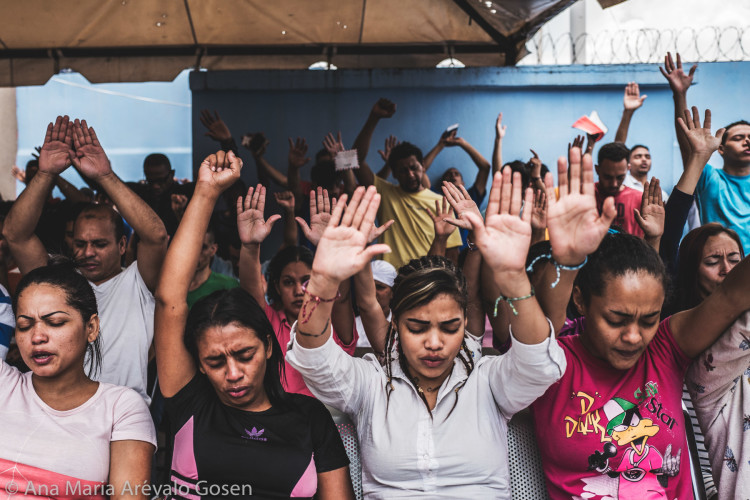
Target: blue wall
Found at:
x=539, y=104
x=130, y=119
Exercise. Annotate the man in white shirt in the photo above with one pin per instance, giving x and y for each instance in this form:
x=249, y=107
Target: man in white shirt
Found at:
x=124, y=296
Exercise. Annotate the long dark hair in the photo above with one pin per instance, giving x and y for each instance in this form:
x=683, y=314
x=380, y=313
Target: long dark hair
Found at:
x=61, y=273
x=418, y=283
x=235, y=305
x=687, y=294
x=277, y=265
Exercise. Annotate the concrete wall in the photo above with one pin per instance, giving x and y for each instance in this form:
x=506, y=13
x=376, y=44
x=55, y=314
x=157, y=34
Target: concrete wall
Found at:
x=539, y=104
x=8, y=142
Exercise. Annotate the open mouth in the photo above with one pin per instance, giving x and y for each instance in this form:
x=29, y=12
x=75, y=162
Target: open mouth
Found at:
x=237, y=392
x=41, y=357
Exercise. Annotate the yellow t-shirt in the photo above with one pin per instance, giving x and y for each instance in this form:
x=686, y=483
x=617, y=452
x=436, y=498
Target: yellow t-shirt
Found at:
x=412, y=232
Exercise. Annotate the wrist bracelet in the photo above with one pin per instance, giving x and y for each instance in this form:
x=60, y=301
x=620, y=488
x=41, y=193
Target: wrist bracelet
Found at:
x=304, y=314
x=510, y=301
x=557, y=265
x=471, y=245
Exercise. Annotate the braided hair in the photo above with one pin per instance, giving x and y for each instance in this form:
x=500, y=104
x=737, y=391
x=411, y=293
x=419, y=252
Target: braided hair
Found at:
x=418, y=283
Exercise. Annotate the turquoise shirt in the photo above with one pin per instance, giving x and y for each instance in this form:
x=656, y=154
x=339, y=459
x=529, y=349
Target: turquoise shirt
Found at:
x=725, y=199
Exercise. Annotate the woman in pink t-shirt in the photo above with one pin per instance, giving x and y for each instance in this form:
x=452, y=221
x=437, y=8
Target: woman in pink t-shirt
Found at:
x=289, y=271
x=64, y=434
x=612, y=426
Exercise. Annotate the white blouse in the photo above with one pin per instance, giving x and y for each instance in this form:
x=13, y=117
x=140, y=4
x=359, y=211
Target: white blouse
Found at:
x=459, y=451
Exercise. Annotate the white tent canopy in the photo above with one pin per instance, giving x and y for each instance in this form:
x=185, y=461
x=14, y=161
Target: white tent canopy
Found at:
x=139, y=40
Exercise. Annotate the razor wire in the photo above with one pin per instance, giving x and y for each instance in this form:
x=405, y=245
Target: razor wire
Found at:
x=706, y=44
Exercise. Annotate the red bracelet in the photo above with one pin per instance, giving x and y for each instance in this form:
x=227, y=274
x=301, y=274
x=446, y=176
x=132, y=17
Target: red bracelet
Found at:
x=304, y=315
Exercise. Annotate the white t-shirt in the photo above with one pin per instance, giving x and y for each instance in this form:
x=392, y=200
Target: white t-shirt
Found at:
x=362, y=340
x=48, y=453
x=126, y=311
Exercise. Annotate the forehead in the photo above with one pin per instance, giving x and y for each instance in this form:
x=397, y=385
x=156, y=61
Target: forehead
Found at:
x=93, y=228
x=741, y=130
x=156, y=170
x=227, y=339
x=43, y=298
x=720, y=243
x=639, y=151
x=441, y=308
x=609, y=167
x=407, y=162
x=295, y=269
x=634, y=290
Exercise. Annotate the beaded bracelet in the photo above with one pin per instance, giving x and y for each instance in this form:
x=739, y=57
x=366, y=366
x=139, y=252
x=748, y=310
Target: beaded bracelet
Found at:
x=305, y=316
x=510, y=301
x=557, y=265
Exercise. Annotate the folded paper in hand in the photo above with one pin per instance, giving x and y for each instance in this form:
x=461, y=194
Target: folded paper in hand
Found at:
x=591, y=124
x=346, y=160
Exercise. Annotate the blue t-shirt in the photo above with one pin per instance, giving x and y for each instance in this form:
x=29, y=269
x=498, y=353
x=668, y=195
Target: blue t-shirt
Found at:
x=725, y=199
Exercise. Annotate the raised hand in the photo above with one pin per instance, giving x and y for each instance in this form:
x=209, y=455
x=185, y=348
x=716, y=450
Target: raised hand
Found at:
x=376, y=231
x=255, y=143
x=383, y=108
x=574, y=224
x=253, y=228
x=577, y=142
x=342, y=251
x=651, y=215
x=320, y=214
x=178, y=202
x=89, y=157
x=633, y=98
x=333, y=144
x=217, y=129
x=441, y=219
x=18, y=173
x=701, y=141
x=679, y=82
x=461, y=202
x=297, y=153
x=390, y=143
x=504, y=236
x=452, y=140
x=55, y=155
x=539, y=211
x=285, y=199
x=218, y=171
x=536, y=165
x=500, y=129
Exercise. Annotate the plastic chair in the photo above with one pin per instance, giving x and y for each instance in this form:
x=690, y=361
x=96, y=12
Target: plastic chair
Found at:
x=348, y=433
x=525, y=462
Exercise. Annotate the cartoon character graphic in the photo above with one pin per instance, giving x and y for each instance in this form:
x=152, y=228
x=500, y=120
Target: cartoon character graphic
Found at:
x=642, y=472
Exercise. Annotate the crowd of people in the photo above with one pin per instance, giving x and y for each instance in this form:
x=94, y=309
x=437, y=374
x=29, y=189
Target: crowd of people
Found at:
x=135, y=311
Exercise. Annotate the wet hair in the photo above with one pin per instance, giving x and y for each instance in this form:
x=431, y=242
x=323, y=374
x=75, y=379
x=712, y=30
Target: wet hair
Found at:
x=687, y=295
x=61, y=273
x=404, y=150
x=725, y=135
x=279, y=262
x=99, y=211
x=418, y=283
x=156, y=159
x=236, y=306
x=614, y=151
x=617, y=255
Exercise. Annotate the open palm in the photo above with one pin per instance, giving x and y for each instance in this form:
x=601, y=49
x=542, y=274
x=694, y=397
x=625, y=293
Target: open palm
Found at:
x=56, y=152
x=342, y=251
x=574, y=224
x=90, y=158
x=251, y=224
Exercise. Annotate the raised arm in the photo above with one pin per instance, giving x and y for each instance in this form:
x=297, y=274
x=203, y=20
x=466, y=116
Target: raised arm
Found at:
x=218, y=130
x=497, y=152
x=173, y=361
x=442, y=227
x=257, y=144
x=285, y=200
x=382, y=109
x=631, y=101
x=480, y=182
x=575, y=230
x=505, y=228
x=297, y=159
x=342, y=252
x=460, y=201
x=253, y=229
x=651, y=215
x=55, y=156
x=92, y=162
x=385, y=153
x=679, y=82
